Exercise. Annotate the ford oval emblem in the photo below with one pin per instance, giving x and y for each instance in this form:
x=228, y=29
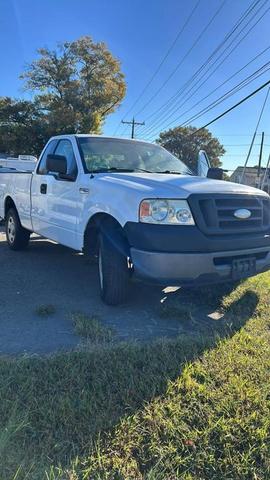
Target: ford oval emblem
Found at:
x=242, y=213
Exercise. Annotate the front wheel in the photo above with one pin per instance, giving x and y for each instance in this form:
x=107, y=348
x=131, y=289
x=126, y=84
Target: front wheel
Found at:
x=17, y=236
x=114, y=274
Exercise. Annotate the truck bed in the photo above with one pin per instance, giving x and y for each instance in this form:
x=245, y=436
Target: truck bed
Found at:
x=18, y=164
x=17, y=185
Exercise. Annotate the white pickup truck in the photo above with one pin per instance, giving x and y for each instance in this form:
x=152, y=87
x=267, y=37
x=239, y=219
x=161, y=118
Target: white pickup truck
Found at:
x=140, y=210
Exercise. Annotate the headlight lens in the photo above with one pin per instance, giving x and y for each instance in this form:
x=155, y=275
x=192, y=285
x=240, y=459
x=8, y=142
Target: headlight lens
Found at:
x=159, y=210
x=166, y=211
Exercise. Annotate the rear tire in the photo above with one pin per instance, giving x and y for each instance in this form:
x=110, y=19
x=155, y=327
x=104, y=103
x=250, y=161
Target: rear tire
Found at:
x=17, y=236
x=114, y=274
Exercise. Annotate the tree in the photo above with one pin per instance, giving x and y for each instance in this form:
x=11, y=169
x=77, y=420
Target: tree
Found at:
x=185, y=143
x=75, y=87
x=22, y=127
x=78, y=85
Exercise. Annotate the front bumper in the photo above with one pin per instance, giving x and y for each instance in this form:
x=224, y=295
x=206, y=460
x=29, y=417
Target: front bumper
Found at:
x=193, y=268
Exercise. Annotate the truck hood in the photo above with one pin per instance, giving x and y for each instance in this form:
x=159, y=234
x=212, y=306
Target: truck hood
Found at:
x=179, y=185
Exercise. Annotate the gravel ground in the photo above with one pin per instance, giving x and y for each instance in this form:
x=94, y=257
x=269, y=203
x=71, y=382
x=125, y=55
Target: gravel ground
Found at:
x=50, y=274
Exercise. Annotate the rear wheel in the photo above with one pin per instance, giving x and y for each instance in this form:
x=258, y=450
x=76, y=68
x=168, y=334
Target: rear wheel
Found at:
x=17, y=236
x=114, y=274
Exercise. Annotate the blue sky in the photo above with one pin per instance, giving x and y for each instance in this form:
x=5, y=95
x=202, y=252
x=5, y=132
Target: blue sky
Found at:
x=139, y=33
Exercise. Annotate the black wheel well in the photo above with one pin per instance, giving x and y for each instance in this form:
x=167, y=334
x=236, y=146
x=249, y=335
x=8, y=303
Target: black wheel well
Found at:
x=9, y=203
x=109, y=226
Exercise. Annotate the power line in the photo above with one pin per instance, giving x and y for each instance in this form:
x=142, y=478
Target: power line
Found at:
x=174, y=108
x=258, y=73
x=184, y=57
x=171, y=100
x=242, y=145
x=239, y=134
x=215, y=89
x=166, y=56
x=232, y=108
x=254, y=136
x=261, y=71
x=162, y=61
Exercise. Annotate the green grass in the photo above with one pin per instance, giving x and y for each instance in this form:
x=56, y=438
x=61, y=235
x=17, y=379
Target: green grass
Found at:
x=212, y=423
x=45, y=310
x=195, y=407
x=91, y=328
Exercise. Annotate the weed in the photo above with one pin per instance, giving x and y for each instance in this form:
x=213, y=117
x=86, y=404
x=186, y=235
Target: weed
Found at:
x=91, y=328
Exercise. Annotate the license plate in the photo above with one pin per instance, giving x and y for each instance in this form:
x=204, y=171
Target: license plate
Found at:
x=243, y=267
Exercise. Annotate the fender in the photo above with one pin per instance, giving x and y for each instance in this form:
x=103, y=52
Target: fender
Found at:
x=9, y=203
x=107, y=225
x=96, y=212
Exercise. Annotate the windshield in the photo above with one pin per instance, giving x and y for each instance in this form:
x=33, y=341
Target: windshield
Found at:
x=102, y=154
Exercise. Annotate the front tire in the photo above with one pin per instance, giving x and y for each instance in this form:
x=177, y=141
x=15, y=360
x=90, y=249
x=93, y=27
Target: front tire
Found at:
x=17, y=236
x=114, y=274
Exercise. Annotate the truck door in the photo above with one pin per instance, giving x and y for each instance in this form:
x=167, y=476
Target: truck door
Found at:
x=55, y=200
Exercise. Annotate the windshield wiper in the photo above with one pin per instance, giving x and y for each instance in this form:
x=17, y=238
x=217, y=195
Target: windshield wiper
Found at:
x=174, y=172
x=124, y=170
x=142, y=170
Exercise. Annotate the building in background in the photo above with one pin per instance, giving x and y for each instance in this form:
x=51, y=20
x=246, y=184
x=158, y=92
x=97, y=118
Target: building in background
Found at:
x=251, y=177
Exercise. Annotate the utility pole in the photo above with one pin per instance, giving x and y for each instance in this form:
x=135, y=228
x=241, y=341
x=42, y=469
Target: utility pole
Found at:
x=248, y=155
x=260, y=162
x=133, y=123
x=266, y=173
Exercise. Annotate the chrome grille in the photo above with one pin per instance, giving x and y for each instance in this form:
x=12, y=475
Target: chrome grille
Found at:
x=214, y=214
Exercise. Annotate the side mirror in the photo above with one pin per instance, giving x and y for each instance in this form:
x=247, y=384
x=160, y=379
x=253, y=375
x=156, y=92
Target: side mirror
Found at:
x=203, y=164
x=56, y=164
x=215, y=173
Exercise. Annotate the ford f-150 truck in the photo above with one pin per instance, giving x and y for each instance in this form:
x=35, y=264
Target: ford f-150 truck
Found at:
x=140, y=211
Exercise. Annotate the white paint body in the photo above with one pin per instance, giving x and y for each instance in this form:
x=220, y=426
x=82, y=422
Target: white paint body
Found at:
x=64, y=212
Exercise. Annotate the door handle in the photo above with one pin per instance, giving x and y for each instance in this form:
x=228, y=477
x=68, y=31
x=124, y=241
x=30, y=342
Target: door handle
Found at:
x=83, y=190
x=43, y=188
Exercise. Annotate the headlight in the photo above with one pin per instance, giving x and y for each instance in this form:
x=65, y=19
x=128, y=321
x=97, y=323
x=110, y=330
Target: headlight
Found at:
x=172, y=212
x=159, y=210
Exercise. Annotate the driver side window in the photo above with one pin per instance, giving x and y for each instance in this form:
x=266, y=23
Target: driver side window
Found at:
x=59, y=147
x=42, y=170
x=65, y=148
